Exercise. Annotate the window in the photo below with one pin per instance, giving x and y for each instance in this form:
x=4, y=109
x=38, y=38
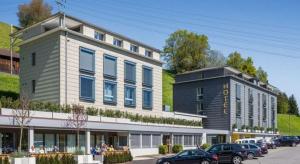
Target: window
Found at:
x=200, y=107
x=238, y=100
x=198, y=140
x=147, y=99
x=87, y=60
x=146, y=140
x=258, y=109
x=177, y=140
x=33, y=59
x=87, y=88
x=250, y=107
x=226, y=147
x=134, y=48
x=147, y=76
x=118, y=42
x=110, y=92
x=188, y=140
x=135, y=140
x=99, y=36
x=130, y=70
x=199, y=94
x=129, y=96
x=253, y=147
x=215, y=149
x=156, y=140
x=148, y=53
x=264, y=101
x=110, y=66
x=33, y=86
x=122, y=140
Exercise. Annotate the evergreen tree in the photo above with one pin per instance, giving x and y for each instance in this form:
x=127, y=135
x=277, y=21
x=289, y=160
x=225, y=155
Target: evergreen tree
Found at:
x=293, y=106
x=282, y=103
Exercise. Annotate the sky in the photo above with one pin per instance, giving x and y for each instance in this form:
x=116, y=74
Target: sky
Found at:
x=266, y=30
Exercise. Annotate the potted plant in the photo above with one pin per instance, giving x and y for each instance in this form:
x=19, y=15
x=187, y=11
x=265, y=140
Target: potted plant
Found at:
x=262, y=129
x=234, y=127
x=276, y=131
x=269, y=130
x=244, y=128
x=255, y=129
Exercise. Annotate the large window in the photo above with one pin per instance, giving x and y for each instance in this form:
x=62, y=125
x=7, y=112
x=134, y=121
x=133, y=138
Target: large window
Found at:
x=198, y=140
x=156, y=140
x=258, y=109
x=110, y=66
x=200, y=107
x=147, y=99
x=110, y=92
x=188, y=140
x=87, y=88
x=146, y=140
x=118, y=42
x=200, y=92
x=177, y=139
x=273, y=111
x=147, y=76
x=130, y=70
x=87, y=60
x=122, y=140
x=99, y=36
x=238, y=100
x=264, y=101
x=129, y=96
x=135, y=140
x=199, y=100
x=250, y=107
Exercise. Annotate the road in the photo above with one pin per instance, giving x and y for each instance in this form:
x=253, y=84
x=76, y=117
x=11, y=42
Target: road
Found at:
x=282, y=155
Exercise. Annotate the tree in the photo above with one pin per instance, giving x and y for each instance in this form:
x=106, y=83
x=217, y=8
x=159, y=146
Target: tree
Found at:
x=248, y=67
x=33, y=12
x=22, y=116
x=262, y=75
x=282, y=103
x=185, y=51
x=215, y=59
x=78, y=121
x=293, y=106
x=236, y=61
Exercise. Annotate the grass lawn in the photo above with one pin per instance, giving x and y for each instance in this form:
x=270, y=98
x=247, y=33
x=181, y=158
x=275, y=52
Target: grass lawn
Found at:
x=283, y=124
x=168, y=80
x=9, y=85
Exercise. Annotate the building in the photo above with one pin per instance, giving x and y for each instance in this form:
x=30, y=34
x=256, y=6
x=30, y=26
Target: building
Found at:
x=5, y=61
x=230, y=99
x=66, y=60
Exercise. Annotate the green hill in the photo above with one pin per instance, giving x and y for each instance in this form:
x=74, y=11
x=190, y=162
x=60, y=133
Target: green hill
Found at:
x=9, y=85
x=4, y=36
x=168, y=80
x=288, y=125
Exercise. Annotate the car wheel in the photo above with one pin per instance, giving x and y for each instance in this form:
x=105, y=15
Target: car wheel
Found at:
x=205, y=162
x=250, y=156
x=236, y=160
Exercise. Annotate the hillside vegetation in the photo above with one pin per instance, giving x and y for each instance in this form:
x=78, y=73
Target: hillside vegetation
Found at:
x=168, y=80
x=9, y=85
x=288, y=125
x=4, y=36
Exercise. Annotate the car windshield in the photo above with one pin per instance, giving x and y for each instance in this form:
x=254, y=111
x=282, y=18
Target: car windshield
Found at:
x=215, y=149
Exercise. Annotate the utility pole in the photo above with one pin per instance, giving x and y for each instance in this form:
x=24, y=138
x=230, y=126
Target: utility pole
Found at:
x=11, y=49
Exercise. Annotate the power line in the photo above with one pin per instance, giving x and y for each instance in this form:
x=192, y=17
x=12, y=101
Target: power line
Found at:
x=166, y=33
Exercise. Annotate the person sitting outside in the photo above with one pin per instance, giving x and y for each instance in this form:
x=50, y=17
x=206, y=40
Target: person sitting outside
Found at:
x=32, y=150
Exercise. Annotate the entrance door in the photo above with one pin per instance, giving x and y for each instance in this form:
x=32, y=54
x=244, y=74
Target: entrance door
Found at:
x=167, y=141
x=62, y=142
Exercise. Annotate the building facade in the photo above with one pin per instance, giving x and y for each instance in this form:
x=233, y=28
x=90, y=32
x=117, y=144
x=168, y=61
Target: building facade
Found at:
x=68, y=61
x=230, y=99
x=5, y=61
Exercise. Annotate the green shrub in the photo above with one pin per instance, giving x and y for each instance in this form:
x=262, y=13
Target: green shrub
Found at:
x=6, y=160
x=163, y=149
x=177, y=148
x=205, y=146
x=117, y=157
x=92, y=111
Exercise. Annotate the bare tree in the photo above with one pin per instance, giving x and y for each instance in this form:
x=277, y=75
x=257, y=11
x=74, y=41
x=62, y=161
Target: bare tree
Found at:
x=22, y=116
x=78, y=120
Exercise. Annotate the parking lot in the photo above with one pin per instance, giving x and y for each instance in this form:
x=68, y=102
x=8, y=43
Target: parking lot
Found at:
x=281, y=155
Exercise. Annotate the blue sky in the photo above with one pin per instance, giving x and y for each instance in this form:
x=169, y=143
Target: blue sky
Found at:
x=266, y=30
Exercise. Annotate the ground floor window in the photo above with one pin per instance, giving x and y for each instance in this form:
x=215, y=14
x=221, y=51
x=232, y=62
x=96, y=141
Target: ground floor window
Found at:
x=177, y=140
x=135, y=140
x=188, y=140
x=156, y=140
x=197, y=140
x=122, y=140
x=146, y=140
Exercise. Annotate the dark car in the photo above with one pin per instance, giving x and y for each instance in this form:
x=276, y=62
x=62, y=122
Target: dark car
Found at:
x=229, y=153
x=288, y=141
x=272, y=144
x=194, y=156
x=263, y=146
x=252, y=150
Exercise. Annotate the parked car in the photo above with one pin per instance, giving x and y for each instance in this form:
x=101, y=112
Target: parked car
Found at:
x=252, y=150
x=193, y=156
x=288, y=141
x=229, y=153
x=272, y=144
x=263, y=146
x=247, y=140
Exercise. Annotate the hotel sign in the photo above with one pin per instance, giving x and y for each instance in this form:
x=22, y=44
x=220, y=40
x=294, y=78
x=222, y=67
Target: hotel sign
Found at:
x=226, y=95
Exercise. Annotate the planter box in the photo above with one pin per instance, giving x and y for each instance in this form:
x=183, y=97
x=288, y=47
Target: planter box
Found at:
x=107, y=119
x=249, y=131
x=94, y=118
x=41, y=114
x=244, y=130
x=5, y=111
x=62, y=115
x=24, y=160
x=82, y=159
x=99, y=158
x=123, y=120
x=235, y=129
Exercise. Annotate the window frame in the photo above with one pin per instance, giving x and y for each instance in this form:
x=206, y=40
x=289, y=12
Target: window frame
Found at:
x=101, y=33
x=150, y=52
x=114, y=102
x=134, y=96
x=116, y=63
x=33, y=86
x=33, y=59
x=92, y=99
x=115, y=41
x=143, y=76
x=93, y=64
x=136, y=46
x=151, y=101
x=134, y=65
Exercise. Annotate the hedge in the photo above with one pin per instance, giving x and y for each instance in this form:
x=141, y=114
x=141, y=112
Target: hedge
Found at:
x=163, y=149
x=205, y=146
x=177, y=148
x=4, y=160
x=52, y=107
x=55, y=159
x=117, y=157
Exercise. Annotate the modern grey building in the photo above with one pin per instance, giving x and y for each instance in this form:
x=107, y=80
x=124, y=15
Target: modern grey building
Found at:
x=228, y=98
